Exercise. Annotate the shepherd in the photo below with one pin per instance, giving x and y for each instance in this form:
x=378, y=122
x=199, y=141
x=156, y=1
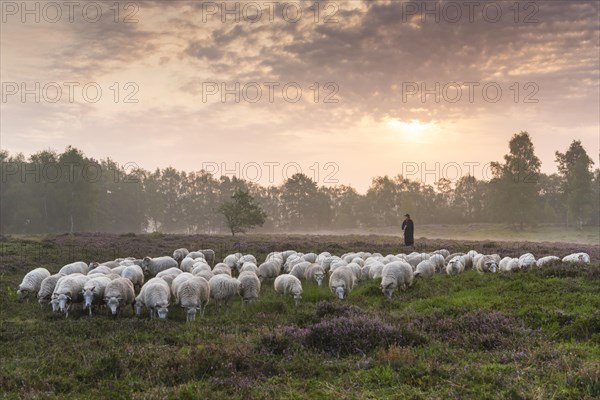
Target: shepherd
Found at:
x=408, y=227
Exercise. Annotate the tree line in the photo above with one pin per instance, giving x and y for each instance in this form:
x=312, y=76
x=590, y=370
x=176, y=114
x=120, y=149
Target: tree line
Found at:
x=69, y=192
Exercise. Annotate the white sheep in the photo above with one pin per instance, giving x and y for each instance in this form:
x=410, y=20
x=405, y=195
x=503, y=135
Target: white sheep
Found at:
x=196, y=254
x=180, y=254
x=376, y=269
x=438, y=261
x=443, y=252
x=100, y=269
x=193, y=295
x=397, y=274
x=203, y=273
x=315, y=272
x=310, y=257
x=510, y=265
x=119, y=293
x=288, y=284
x=425, y=269
x=545, y=260
x=93, y=292
x=119, y=270
x=581, y=258
x=78, y=267
x=268, y=270
x=526, y=261
x=414, y=260
x=231, y=260
x=486, y=263
x=249, y=287
x=47, y=287
x=135, y=274
x=342, y=281
x=299, y=270
x=32, y=282
x=178, y=281
x=171, y=271
x=455, y=266
x=223, y=288
x=153, y=266
x=155, y=295
x=187, y=264
x=249, y=266
x=221, y=268
x=244, y=259
x=200, y=266
x=69, y=291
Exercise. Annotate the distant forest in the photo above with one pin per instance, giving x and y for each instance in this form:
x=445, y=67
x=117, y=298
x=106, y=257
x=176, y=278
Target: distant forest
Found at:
x=69, y=192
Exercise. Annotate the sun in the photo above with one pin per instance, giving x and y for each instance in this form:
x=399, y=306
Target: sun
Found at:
x=411, y=128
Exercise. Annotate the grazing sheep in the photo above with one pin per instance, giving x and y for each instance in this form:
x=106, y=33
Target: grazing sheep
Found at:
x=153, y=266
x=155, y=295
x=581, y=258
x=288, y=284
x=545, y=260
x=510, y=265
x=180, y=254
x=291, y=261
x=342, y=281
x=47, y=287
x=200, y=266
x=195, y=255
x=425, y=269
x=135, y=274
x=187, y=264
x=244, y=259
x=69, y=291
x=467, y=259
x=486, y=264
x=299, y=270
x=231, y=260
x=451, y=256
x=119, y=293
x=193, y=295
x=416, y=259
x=526, y=261
x=310, y=257
x=78, y=267
x=438, y=261
x=100, y=269
x=171, y=271
x=179, y=279
x=221, y=268
x=443, y=252
x=268, y=270
x=93, y=292
x=315, y=272
x=119, y=270
x=204, y=274
x=249, y=266
x=32, y=282
x=376, y=269
x=249, y=287
x=397, y=274
x=455, y=266
x=223, y=288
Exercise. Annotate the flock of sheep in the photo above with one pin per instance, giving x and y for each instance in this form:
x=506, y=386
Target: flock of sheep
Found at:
x=188, y=279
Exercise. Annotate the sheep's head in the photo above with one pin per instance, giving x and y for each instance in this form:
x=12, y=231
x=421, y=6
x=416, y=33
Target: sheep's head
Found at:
x=63, y=302
x=22, y=293
x=139, y=306
x=88, y=297
x=388, y=289
x=145, y=263
x=491, y=266
x=319, y=278
x=297, y=298
x=162, y=310
x=190, y=313
x=54, y=303
x=113, y=303
x=339, y=292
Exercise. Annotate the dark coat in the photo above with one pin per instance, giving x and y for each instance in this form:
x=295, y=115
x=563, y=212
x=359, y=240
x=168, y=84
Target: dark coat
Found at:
x=409, y=231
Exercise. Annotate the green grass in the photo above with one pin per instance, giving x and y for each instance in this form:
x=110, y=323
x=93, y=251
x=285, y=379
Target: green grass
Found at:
x=525, y=335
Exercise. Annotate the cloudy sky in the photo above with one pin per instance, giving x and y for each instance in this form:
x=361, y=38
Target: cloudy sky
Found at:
x=343, y=91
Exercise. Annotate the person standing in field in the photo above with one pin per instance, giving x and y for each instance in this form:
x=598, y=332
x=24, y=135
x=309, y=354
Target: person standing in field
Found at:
x=408, y=227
